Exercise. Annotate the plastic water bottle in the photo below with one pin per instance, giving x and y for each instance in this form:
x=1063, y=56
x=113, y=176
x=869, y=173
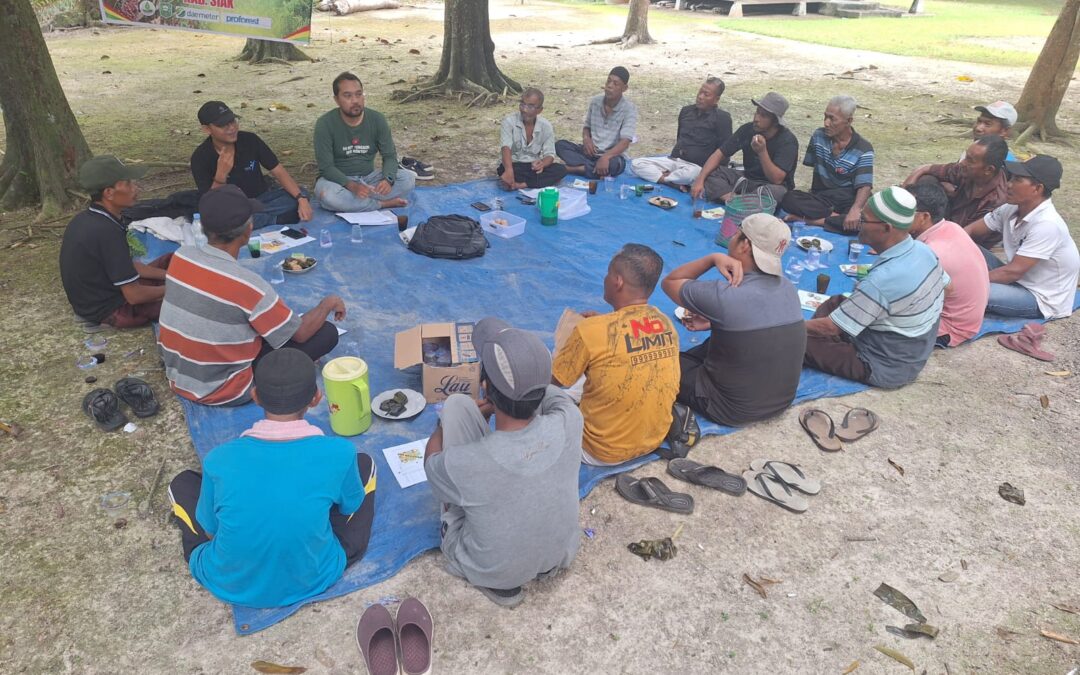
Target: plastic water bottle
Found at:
x=196, y=227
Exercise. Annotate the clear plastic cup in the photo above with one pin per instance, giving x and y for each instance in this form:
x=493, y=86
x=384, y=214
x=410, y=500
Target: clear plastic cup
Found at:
x=626, y=191
x=609, y=184
x=797, y=228
x=855, y=250
x=277, y=273
x=357, y=235
x=794, y=272
x=813, y=259
x=325, y=240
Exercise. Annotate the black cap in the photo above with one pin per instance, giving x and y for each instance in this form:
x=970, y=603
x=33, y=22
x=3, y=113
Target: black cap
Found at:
x=285, y=381
x=226, y=208
x=216, y=113
x=1040, y=168
x=621, y=73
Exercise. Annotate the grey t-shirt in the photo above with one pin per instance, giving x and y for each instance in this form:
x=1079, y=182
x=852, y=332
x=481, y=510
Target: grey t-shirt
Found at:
x=513, y=498
x=755, y=352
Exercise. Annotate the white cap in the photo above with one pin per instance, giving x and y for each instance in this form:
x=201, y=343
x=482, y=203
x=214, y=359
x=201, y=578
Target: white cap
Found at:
x=769, y=237
x=1003, y=110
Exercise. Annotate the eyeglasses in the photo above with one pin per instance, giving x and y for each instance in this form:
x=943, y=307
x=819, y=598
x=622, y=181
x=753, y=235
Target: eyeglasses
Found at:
x=864, y=221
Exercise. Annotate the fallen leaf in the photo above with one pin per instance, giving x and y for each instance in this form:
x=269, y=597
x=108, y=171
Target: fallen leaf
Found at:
x=897, y=467
x=267, y=667
x=104, y=57
x=414, y=51
x=964, y=78
x=1071, y=609
x=900, y=602
x=278, y=106
x=1044, y=401
x=1012, y=494
x=963, y=564
x=852, y=668
x=895, y=655
x=949, y=577
x=285, y=153
x=1058, y=373
x=914, y=630
x=754, y=585
x=1059, y=637
x=1006, y=633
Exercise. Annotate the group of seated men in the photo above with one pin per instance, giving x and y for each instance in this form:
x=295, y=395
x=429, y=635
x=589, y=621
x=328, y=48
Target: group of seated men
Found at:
x=227, y=338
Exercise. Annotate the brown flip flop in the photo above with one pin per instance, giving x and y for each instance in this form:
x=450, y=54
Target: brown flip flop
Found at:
x=821, y=429
x=415, y=630
x=375, y=638
x=858, y=422
x=1025, y=345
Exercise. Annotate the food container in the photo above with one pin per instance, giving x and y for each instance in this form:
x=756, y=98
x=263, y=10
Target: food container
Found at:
x=514, y=226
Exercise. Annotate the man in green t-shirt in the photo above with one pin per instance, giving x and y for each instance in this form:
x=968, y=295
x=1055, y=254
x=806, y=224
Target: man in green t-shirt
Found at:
x=346, y=141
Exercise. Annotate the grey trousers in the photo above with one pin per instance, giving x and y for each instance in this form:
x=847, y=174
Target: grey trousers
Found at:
x=462, y=423
x=723, y=179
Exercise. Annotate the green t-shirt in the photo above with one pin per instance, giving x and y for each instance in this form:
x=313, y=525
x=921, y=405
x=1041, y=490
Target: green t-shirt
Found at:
x=342, y=151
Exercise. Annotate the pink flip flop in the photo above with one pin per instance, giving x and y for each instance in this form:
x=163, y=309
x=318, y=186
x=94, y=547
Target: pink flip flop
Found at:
x=1025, y=345
x=1035, y=331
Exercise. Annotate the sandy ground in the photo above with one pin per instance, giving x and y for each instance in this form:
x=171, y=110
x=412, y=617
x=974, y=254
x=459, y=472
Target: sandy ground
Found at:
x=83, y=595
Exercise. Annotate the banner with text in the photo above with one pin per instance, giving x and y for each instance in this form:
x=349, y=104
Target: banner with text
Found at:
x=281, y=20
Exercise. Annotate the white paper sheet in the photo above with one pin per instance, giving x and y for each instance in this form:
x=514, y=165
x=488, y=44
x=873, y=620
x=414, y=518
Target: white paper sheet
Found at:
x=276, y=243
x=407, y=462
x=370, y=218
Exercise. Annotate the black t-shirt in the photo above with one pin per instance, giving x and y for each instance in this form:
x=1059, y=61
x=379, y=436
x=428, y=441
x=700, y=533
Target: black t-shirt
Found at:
x=251, y=152
x=700, y=133
x=783, y=148
x=95, y=262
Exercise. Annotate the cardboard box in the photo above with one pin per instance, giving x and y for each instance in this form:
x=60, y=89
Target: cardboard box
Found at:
x=444, y=351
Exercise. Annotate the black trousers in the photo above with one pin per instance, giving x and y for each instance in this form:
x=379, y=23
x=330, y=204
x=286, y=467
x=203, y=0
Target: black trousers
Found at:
x=523, y=173
x=352, y=531
x=819, y=204
x=317, y=346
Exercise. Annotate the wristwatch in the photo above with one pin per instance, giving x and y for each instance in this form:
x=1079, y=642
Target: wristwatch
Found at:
x=303, y=194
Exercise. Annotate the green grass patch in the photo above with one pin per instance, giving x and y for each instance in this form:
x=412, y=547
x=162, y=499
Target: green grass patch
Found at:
x=978, y=31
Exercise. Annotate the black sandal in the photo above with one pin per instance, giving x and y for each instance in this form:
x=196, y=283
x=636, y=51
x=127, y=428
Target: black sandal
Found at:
x=138, y=395
x=102, y=406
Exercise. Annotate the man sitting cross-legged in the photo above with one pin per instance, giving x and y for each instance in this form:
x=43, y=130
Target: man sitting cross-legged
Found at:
x=843, y=163
x=630, y=360
x=1037, y=279
x=884, y=333
x=219, y=317
x=769, y=153
x=278, y=514
x=528, y=147
x=748, y=369
x=962, y=260
x=609, y=129
x=703, y=127
x=509, y=496
x=346, y=142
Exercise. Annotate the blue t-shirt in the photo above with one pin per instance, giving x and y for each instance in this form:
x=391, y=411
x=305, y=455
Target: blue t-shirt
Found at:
x=267, y=506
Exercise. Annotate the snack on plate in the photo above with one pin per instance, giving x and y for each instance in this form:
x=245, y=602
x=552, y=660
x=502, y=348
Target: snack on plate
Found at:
x=297, y=262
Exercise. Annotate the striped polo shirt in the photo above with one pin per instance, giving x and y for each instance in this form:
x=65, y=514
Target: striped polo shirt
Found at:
x=214, y=319
x=893, y=314
x=853, y=168
x=608, y=130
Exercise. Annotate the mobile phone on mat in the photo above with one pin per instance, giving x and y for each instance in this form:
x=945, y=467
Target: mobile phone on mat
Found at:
x=480, y=206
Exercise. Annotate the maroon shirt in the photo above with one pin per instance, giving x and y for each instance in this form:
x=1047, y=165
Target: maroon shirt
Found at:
x=970, y=203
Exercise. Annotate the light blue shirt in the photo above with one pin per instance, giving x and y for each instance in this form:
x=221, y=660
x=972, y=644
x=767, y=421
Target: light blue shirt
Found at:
x=267, y=506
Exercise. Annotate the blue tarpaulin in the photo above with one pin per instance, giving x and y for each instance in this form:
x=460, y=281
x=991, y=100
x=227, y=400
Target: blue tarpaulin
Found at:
x=527, y=281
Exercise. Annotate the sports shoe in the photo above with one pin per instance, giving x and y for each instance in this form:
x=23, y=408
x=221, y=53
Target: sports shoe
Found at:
x=422, y=171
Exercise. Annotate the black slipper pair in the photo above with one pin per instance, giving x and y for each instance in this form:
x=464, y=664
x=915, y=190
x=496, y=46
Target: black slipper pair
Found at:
x=103, y=405
x=653, y=492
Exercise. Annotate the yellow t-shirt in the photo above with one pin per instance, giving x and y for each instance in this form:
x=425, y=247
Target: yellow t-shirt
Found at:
x=630, y=359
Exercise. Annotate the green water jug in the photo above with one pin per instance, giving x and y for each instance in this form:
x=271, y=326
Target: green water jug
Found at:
x=548, y=201
x=348, y=395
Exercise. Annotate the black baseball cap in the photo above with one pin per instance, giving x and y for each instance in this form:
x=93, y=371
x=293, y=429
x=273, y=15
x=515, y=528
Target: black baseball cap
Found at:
x=216, y=113
x=226, y=208
x=1040, y=168
x=285, y=381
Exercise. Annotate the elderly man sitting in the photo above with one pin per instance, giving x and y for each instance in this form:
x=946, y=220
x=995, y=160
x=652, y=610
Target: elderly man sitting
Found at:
x=703, y=128
x=1037, y=279
x=843, y=163
x=884, y=333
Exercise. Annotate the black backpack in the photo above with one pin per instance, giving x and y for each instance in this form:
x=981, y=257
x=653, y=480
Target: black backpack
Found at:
x=455, y=237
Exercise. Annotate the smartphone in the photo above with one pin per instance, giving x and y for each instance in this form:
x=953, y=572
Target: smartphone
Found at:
x=293, y=233
x=480, y=206
x=528, y=201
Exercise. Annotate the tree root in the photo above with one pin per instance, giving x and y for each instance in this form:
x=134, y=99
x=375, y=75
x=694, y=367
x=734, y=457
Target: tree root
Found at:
x=624, y=41
x=445, y=89
x=1029, y=131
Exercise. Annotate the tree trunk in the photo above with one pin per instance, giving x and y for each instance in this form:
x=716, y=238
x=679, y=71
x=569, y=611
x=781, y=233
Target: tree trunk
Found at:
x=468, y=57
x=637, y=25
x=271, y=51
x=45, y=146
x=1050, y=76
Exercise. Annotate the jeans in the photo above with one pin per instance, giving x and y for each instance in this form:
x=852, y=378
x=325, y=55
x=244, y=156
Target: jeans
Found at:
x=278, y=209
x=1009, y=299
x=334, y=197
